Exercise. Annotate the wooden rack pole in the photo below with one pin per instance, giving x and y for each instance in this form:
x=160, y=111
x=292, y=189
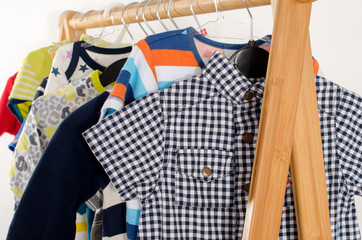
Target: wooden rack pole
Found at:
x=307, y=164
x=277, y=121
x=67, y=30
x=178, y=8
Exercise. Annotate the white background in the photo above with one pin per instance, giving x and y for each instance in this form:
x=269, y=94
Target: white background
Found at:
x=336, y=30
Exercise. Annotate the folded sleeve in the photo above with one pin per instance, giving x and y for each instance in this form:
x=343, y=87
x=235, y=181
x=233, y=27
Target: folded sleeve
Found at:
x=349, y=137
x=129, y=145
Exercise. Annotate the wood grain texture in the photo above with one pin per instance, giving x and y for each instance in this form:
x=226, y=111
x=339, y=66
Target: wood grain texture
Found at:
x=67, y=30
x=277, y=121
x=178, y=8
x=307, y=164
x=306, y=1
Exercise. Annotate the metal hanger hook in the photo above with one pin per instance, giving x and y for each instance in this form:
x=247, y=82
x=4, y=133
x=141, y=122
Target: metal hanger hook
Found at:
x=112, y=19
x=85, y=14
x=217, y=14
x=74, y=27
x=138, y=7
x=124, y=24
x=251, y=22
x=169, y=15
x=193, y=14
x=158, y=15
x=108, y=11
x=100, y=25
x=216, y=10
x=143, y=16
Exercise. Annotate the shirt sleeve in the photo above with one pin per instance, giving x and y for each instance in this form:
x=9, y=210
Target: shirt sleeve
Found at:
x=132, y=152
x=8, y=121
x=26, y=155
x=349, y=139
x=136, y=79
x=34, y=68
x=14, y=142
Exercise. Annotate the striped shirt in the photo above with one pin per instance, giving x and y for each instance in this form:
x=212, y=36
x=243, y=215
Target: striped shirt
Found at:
x=163, y=59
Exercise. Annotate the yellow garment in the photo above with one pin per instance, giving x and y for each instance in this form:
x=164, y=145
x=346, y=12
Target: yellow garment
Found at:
x=100, y=42
x=35, y=67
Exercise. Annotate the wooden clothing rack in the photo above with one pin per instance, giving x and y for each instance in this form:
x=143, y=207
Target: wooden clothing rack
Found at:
x=289, y=131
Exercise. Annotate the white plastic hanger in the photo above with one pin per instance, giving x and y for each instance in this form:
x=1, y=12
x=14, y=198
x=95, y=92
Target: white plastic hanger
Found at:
x=108, y=10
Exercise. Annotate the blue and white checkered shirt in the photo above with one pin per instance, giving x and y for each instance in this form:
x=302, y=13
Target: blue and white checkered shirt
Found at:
x=187, y=153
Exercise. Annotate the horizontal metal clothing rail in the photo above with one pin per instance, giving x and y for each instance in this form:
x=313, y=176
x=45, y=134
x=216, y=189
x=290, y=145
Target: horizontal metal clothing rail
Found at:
x=289, y=130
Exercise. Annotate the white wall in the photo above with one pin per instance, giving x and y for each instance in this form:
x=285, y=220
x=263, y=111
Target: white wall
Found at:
x=336, y=30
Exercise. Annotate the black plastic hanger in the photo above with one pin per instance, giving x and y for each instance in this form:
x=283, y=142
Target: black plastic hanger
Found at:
x=251, y=60
x=111, y=73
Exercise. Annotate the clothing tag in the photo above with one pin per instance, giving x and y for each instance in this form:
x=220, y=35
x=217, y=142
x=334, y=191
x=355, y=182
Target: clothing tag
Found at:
x=203, y=32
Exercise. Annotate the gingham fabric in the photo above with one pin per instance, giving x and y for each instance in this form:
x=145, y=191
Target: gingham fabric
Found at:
x=157, y=148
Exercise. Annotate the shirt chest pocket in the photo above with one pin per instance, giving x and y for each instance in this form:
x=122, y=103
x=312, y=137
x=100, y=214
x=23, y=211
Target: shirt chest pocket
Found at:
x=204, y=178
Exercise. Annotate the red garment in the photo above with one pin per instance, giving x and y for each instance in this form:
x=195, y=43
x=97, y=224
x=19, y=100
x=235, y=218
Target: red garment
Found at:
x=8, y=123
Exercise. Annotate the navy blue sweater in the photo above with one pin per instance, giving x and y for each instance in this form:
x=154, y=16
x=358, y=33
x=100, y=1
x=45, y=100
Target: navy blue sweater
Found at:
x=66, y=176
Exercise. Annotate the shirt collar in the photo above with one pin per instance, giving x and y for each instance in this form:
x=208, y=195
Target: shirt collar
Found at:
x=229, y=81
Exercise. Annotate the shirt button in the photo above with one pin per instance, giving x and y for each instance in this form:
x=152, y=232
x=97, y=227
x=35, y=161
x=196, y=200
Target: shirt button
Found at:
x=206, y=172
x=246, y=187
x=248, y=96
x=248, y=138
